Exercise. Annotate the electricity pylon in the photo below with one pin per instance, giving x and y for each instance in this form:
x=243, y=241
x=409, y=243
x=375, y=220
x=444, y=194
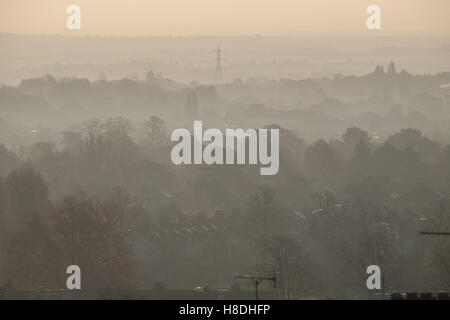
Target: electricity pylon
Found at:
x=218, y=74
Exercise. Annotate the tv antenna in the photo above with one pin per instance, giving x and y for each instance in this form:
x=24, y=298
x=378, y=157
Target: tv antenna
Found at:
x=257, y=280
x=431, y=232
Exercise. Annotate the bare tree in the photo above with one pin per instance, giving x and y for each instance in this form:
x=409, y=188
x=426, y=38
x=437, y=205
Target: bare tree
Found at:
x=93, y=235
x=290, y=263
x=155, y=131
x=355, y=236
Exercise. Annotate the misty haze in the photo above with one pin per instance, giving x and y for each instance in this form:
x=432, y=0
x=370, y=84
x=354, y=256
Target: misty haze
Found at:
x=87, y=179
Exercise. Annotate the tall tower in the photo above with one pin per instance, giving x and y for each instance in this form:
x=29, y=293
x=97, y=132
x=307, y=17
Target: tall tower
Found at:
x=218, y=75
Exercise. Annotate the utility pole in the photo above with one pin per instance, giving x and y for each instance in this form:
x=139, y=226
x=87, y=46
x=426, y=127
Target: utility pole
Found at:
x=257, y=280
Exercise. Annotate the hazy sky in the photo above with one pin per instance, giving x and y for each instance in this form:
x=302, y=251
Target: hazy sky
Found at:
x=226, y=17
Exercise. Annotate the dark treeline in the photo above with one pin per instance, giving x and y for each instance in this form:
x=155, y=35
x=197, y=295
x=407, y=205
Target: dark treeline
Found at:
x=108, y=199
x=380, y=102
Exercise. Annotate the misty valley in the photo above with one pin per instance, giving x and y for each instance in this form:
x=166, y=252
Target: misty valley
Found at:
x=330, y=175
